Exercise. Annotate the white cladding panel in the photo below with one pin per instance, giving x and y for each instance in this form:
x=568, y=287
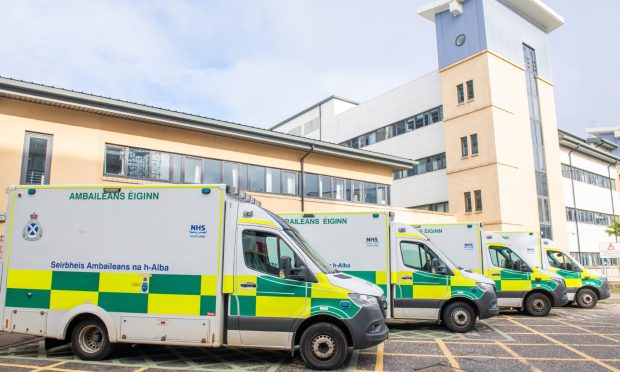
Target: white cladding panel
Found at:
x=427, y=188
x=525, y=244
x=348, y=241
x=459, y=242
x=136, y=234
x=400, y=103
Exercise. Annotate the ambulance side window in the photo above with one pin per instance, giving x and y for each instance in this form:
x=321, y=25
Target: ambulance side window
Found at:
x=262, y=251
x=498, y=259
x=417, y=256
x=560, y=261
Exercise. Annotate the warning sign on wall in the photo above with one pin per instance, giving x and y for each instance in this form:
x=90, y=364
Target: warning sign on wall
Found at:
x=609, y=250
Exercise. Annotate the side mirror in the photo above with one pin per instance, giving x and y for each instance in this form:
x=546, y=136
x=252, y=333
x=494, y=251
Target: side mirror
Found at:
x=299, y=273
x=285, y=267
x=441, y=269
x=523, y=266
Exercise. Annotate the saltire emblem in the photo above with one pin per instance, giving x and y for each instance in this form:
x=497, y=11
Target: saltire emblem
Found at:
x=33, y=230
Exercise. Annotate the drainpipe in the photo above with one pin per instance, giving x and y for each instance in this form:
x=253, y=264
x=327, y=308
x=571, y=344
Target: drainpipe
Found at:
x=572, y=182
x=611, y=193
x=303, y=179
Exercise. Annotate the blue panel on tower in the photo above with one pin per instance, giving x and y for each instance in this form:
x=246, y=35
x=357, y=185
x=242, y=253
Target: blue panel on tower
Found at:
x=470, y=23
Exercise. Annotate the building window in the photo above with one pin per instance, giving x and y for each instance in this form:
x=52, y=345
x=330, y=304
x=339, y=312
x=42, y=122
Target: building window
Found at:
x=122, y=161
x=36, y=159
x=470, y=90
x=435, y=207
x=115, y=160
x=460, y=93
x=370, y=192
x=311, y=185
x=464, y=150
x=474, y=143
x=588, y=177
x=395, y=129
x=289, y=183
x=468, y=202
x=589, y=217
x=478, y=200
x=425, y=165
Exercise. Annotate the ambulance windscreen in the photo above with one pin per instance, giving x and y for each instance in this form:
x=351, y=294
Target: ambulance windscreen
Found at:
x=303, y=244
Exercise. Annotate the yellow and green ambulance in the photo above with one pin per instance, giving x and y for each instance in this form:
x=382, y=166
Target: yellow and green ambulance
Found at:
x=584, y=287
x=419, y=282
x=190, y=265
x=519, y=284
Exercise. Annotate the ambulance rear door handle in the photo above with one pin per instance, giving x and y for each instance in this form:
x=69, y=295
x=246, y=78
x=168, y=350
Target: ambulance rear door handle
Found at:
x=248, y=285
x=407, y=277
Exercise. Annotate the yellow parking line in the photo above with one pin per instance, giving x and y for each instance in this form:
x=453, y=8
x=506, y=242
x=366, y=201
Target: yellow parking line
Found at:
x=141, y=369
x=51, y=366
x=584, y=355
x=585, y=330
x=482, y=357
x=379, y=362
x=444, y=349
x=521, y=359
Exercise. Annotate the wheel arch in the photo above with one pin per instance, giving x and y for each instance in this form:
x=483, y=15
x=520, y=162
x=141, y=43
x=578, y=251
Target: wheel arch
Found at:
x=541, y=291
x=466, y=300
x=596, y=291
x=319, y=319
x=73, y=316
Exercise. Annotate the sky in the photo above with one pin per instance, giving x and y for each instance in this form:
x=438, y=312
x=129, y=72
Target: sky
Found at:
x=258, y=62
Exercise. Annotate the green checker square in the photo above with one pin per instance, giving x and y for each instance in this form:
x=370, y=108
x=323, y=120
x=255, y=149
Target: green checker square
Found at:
x=30, y=298
x=75, y=281
x=247, y=305
x=271, y=286
x=124, y=302
x=429, y=278
x=370, y=276
x=404, y=291
x=207, y=305
x=334, y=306
x=174, y=284
x=514, y=275
x=498, y=285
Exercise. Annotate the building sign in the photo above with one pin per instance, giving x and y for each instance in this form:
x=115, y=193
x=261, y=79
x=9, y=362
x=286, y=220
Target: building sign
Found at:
x=609, y=250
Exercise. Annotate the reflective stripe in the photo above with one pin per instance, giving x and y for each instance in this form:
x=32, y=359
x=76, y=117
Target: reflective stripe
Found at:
x=256, y=222
x=65, y=300
x=29, y=279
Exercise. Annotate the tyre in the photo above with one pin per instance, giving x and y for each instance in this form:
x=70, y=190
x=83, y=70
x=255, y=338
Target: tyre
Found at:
x=586, y=298
x=459, y=317
x=89, y=340
x=323, y=346
x=537, y=304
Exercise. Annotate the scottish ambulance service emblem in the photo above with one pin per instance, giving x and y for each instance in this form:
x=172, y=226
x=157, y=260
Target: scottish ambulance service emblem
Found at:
x=33, y=230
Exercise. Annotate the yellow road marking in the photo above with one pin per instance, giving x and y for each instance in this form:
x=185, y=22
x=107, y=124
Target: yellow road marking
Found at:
x=379, y=362
x=50, y=367
x=482, y=357
x=583, y=355
x=444, y=349
x=586, y=330
x=521, y=359
x=141, y=369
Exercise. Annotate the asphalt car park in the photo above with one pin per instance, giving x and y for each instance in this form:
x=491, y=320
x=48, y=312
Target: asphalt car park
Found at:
x=569, y=338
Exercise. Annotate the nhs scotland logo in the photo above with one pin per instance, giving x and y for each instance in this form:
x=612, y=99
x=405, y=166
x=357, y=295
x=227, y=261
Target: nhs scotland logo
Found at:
x=33, y=230
x=197, y=231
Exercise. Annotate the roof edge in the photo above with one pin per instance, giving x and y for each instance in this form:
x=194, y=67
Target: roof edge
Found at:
x=313, y=107
x=580, y=145
x=38, y=93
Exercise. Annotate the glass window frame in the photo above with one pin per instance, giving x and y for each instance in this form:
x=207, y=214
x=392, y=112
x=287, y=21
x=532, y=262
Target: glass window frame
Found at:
x=48, y=157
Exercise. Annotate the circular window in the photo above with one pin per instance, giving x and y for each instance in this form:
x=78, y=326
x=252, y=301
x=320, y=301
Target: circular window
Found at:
x=460, y=40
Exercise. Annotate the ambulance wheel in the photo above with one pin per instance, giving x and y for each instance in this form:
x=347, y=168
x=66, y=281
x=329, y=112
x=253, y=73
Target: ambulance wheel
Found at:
x=323, y=346
x=459, y=317
x=586, y=298
x=90, y=341
x=537, y=304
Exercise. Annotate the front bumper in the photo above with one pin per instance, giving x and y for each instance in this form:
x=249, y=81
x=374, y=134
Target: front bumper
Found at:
x=368, y=327
x=559, y=294
x=487, y=305
x=604, y=290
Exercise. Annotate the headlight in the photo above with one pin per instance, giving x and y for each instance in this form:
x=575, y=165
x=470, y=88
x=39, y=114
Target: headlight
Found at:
x=363, y=300
x=603, y=278
x=558, y=280
x=485, y=286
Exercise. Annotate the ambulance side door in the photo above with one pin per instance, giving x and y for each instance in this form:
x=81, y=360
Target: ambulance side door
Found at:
x=420, y=288
x=264, y=305
x=511, y=282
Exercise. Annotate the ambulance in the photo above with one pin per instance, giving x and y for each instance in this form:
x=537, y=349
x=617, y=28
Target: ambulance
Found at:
x=191, y=265
x=519, y=284
x=584, y=287
x=418, y=280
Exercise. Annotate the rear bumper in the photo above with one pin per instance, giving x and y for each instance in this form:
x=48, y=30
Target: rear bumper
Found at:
x=368, y=327
x=487, y=305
